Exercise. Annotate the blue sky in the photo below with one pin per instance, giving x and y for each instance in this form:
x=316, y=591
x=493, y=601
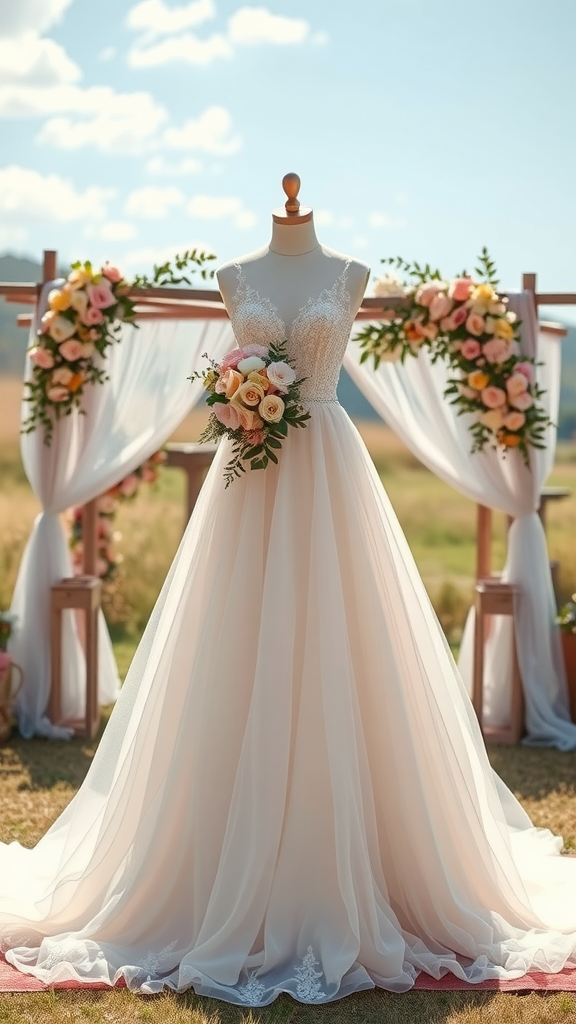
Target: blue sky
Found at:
x=134, y=129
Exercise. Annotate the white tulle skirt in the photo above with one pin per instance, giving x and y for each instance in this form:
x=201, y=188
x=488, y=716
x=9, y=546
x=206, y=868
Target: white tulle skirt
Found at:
x=292, y=793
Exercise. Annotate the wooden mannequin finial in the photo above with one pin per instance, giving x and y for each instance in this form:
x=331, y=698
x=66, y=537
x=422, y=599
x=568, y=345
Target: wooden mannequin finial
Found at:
x=291, y=186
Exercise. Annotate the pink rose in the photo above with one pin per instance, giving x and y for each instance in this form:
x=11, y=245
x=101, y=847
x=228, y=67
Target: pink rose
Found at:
x=493, y=397
x=475, y=324
x=249, y=418
x=523, y=401
x=42, y=357
x=497, y=350
x=57, y=393
x=231, y=359
x=227, y=414
x=516, y=384
x=92, y=316
x=460, y=288
x=149, y=475
x=471, y=348
x=112, y=273
x=427, y=292
x=101, y=295
x=72, y=350
x=255, y=350
x=514, y=420
x=456, y=319
x=129, y=485
x=440, y=306
x=525, y=369
x=467, y=392
x=228, y=383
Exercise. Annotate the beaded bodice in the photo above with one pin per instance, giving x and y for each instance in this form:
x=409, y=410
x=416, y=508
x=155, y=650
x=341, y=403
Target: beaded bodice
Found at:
x=316, y=341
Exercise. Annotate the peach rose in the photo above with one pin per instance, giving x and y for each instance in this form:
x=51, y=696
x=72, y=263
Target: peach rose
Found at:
x=517, y=383
x=57, y=393
x=493, y=397
x=79, y=300
x=227, y=414
x=460, y=288
x=62, y=375
x=59, y=298
x=228, y=383
x=478, y=380
x=271, y=408
x=427, y=292
x=101, y=295
x=47, y=319
x=467, y=392
x=281, y=375
x=260, y=378
x=92, y=315
x=72, y=350
x=42, y=357
x=492, y=419
x=523, y=401
x=61, y=329
x=475, y=324
x=525, y=369
x=249, y=394
x=248, y=418
x=502, y=329
x=440, y=306
x=129, y=485
x=514, y=420
x=430, y=331
x=497, y=350
x=88, y=350
x=413, y=331
x=471, y=348
x=112, y=273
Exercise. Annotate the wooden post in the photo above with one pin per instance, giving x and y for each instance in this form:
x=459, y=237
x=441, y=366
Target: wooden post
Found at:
x=89, y=539
x=483, y=543
x=49, y=265
x=529, y=285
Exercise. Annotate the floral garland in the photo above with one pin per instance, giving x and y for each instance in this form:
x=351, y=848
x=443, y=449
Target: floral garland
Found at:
x=255, y=398
x=84, y=318
x=465, y=322
x=107, y=558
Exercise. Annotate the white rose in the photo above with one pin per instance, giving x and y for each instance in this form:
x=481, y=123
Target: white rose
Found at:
x=250, y=363
x=79, y=300
x=60, y=329
x=389, y=285
x=281, y=375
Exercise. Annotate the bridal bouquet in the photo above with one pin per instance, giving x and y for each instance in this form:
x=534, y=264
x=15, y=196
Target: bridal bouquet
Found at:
x=255, y=397
x=83, y=319
x=465, y=322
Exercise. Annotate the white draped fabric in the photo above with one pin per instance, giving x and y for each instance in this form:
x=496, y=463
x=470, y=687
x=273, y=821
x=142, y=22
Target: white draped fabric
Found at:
x=127, y=419
x=411, y=399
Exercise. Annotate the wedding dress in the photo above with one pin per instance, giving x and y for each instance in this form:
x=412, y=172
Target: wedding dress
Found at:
x=292, y=793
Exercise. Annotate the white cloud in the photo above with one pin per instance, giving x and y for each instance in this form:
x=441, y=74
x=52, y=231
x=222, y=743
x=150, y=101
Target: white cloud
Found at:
x=320, y=38
x=220, y=207
x=108, y=53
x=37, y=62
x=122, y=122
x=186, y=48
x=209, y=133
x=27, y=197
x=346, y=222
x=380, y=220
x=324, y=218
x=12, y=235
x=251, y=26
x=157, y=19
x=153, y=202
x=16, y=19
x=111, y=231
x=159, y=166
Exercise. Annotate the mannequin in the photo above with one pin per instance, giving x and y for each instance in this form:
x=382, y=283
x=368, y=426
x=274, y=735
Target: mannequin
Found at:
x=294, y=266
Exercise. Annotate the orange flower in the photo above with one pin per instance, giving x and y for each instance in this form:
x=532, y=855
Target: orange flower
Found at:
x=413, y=331
x=478, y=380
x=511, y=440
x=76, y=381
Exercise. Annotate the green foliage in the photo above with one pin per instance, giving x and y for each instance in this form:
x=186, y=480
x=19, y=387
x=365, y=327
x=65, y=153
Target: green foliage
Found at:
x=192, y=260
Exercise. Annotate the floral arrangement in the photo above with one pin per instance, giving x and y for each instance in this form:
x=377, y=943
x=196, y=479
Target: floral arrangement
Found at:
x=566, y=617
x=255, y=398
x=7, y=621
x=107, y=558
x=466, y=322
x=84, y=317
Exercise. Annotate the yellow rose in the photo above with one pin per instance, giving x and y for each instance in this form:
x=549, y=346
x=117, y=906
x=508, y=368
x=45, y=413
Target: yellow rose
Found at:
x=484, y=293
x=493, y=419
x=59, y=299
x=271, y=408
x=78, y=278
x=259, y=378
x=249, y=394
x=478, y=380
x=502, y=329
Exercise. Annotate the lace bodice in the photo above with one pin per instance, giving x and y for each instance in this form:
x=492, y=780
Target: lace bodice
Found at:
x=317, y=340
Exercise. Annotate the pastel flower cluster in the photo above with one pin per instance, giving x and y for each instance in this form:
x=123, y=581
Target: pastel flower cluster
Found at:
x=255, y=397
x=566, y=617
x=466, y=322
x=7, y=622
x=83, y=319
x=107, y=558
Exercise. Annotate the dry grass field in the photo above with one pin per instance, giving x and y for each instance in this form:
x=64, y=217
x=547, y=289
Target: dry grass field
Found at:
x=37, y=779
